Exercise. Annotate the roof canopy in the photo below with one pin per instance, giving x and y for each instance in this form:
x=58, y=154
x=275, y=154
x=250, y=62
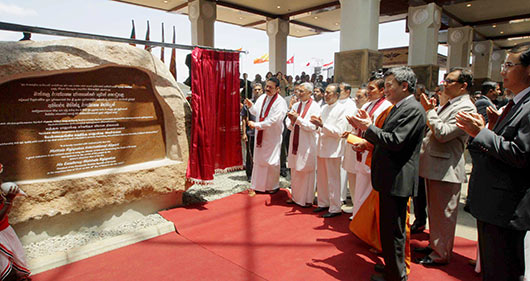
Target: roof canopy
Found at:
x=506, y=22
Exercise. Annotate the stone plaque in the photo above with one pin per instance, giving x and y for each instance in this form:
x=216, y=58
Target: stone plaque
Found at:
x=76, y=122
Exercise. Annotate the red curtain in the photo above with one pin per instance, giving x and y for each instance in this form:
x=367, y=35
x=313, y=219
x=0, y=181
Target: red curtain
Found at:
x=215, y=133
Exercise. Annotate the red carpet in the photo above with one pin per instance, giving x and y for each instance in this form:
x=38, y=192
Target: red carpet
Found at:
x=167, y=257
x=252, y=238
x=281, y=242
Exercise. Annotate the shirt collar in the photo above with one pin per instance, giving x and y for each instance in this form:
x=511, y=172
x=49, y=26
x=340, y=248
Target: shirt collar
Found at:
x=521, y=95
x=403, y=100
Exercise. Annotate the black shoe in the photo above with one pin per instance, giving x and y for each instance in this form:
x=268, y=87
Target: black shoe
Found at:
x=272, y=191
x=330, y=215
x=427, y=260
x=423, y=250
x=320, y=209
x=379, y=268
x=417, y=228
x=377, y=277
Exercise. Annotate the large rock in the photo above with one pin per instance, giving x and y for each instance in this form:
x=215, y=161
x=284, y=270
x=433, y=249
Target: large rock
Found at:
x=62, y=196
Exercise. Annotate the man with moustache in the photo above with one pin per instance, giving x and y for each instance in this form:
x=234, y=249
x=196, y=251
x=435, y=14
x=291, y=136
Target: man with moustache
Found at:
x=490, y=91
x=303, y=147
x=442, y=164
x=499, y=179
x=269, y=109
x=331, y=124
x=395, y=164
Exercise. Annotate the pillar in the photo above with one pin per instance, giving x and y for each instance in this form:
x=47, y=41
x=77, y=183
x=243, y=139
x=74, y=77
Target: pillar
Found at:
x=424, y=24
x=277, y=30
x=481, y=64
x=202, y=16
x=460, y=41
x=497, y=59
x=359, y=30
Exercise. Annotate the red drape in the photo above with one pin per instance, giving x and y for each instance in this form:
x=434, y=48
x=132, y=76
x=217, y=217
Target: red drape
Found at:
x=215, y=133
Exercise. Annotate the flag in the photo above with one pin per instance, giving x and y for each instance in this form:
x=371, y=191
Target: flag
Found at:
x=308, y=64
x=328, y=64
x=162, y=49
x=262, y=59
x=291, y=60
x=240, y=49
x=133, y=34
x=173, y=63
x=147, y=47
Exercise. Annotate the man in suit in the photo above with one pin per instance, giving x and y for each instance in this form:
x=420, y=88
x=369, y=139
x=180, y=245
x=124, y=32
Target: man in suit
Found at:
x=490, y=91
x=499, y=179
x=395, y=164
x=442, y=164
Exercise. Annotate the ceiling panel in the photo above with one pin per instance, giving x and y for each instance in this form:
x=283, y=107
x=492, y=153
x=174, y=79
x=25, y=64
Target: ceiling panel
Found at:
x=488, y=9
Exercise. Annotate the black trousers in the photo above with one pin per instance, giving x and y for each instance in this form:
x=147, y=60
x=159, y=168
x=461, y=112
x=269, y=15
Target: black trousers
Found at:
x=501, y=252
x=284, y=151
x=392, y=224
x=420, y=204
x=249, y=159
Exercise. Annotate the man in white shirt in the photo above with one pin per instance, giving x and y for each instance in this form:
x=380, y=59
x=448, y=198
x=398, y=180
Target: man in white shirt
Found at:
x=332, y=124
x=270, y=110
x=303, y=146
x=351, y=109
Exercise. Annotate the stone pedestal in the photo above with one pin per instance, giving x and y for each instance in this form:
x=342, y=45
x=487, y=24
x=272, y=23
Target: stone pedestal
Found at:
x=427, y=75
x=277, y=30
x=424, y=24
x=354, y=67
x=482, y=52
x=460, y=41
x=202, y=16
x=497, y=59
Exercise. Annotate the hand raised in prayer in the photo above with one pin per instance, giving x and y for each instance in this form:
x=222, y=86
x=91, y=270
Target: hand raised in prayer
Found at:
x=493, y=116
x=361, y=120
x=293, y=115
x=293, y=100
x=248, y=103
x=471, y=123
x=316, y=120
x=251, y=124
x=427, y=103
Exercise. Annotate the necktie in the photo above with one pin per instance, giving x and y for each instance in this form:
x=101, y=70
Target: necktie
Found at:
x=505, y=111
x=444, y=107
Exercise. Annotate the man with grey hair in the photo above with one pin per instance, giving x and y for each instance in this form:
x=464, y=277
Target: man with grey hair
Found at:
x=395, y=164
x=303, y=147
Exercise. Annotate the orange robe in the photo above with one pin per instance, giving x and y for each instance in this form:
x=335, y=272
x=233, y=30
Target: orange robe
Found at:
x=365, y=224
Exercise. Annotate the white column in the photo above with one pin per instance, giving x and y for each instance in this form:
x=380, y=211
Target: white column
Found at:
x=424, y=25
x=202, y=15
x=482, y=52
x=359, y=24
x=460, y=41
x=277, y=30
x=497, y=59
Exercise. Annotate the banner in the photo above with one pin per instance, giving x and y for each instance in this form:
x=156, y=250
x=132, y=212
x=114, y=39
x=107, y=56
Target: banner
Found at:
x=133, y=34
x=262, y=59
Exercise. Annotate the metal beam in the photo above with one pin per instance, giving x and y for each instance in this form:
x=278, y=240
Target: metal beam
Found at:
x=499, y=20
x=57, y=32
x=503, y=37
x=316, y=28
x=315, y=8
x=246, y=9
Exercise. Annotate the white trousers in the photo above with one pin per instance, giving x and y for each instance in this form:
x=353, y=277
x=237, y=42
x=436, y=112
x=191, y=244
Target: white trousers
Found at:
x=265, y=177
x=328, y=183
x=303, y=187
x=363, y=187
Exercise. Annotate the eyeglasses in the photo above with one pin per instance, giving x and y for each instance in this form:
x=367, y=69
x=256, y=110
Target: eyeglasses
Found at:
x=507, y=65
x=449, y=81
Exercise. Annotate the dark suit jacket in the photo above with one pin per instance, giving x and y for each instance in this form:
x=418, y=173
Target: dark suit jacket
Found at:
x=501, y=168
x=395, y=160
x=482, y=103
